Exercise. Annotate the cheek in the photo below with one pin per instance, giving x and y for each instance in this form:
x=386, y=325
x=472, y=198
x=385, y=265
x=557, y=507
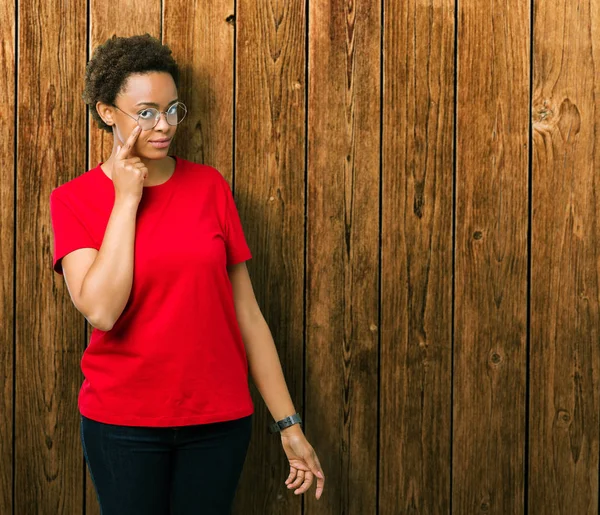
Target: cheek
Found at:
x=124, y=131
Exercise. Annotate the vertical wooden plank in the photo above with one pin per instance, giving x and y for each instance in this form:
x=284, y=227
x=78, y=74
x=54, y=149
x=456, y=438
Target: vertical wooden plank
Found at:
x=201, y=35
x=123, y=18
x=416, y=275
x=563, y=472
x=491, y=257
x=7, y=228
x=269, y=187
x=49, y=330
x=343, y=250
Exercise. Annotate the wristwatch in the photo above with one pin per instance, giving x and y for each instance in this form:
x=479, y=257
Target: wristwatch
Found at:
x=276, y=427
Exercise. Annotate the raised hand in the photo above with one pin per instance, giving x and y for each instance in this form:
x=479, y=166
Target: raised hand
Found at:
x=128, y=173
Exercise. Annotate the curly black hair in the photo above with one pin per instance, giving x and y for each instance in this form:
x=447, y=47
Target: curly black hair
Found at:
x=116, y=59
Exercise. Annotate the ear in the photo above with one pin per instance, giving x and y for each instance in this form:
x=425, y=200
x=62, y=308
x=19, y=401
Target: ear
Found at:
x=106, y=112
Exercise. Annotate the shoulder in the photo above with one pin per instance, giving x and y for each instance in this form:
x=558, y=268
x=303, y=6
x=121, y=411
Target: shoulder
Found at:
x=76, y=187
x=207, y=177
x=201, y=171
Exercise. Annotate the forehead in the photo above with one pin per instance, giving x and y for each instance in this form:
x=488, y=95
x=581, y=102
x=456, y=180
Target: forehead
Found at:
x=157, y=87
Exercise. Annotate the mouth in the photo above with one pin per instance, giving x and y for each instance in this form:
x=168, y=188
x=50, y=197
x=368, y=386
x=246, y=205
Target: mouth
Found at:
x=160, y=143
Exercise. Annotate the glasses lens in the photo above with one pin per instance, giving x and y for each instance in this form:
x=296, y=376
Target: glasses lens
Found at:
x=176, y=113
x=147, y=118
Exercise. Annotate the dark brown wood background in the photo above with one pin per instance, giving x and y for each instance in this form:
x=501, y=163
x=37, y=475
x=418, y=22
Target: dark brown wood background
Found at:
x=419, y=182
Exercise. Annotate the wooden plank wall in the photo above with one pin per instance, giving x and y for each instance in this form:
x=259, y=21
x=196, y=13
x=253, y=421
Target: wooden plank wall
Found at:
x=491, y=223
x=565, y=258
x=416, y=302
x=419, y=183
x=7, y=250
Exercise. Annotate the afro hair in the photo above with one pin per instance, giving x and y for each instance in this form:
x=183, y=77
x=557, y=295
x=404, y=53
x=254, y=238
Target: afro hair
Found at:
x=116, y=59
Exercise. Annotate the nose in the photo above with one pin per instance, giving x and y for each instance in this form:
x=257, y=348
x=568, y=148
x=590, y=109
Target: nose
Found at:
x=162, y=124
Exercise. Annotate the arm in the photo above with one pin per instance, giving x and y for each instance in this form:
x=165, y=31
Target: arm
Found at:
x=99, y=282
x=263, y=360
x=267, y=375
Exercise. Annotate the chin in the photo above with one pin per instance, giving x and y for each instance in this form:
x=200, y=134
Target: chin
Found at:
x=156, y=153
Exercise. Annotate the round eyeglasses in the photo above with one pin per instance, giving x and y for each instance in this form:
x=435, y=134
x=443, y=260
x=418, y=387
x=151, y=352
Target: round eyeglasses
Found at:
x=148, y=118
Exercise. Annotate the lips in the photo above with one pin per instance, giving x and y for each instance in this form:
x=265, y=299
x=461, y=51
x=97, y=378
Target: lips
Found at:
x=161, y=143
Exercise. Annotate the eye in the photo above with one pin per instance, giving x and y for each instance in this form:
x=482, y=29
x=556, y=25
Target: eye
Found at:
x=147, y=114
x=173, y=109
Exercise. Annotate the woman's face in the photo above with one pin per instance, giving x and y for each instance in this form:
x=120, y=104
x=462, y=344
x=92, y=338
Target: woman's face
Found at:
x=140, y=92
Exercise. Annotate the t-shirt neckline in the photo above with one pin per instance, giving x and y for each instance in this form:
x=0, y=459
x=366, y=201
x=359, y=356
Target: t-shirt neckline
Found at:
x=156, y=188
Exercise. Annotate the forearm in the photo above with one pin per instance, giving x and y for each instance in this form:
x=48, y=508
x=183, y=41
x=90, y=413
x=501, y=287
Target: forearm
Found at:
x=107, y=285
x=265, y=369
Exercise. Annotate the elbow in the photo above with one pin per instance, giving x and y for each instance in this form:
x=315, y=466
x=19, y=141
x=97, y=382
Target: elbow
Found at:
x=102, y=323
x=99, y=314
x=104, y=328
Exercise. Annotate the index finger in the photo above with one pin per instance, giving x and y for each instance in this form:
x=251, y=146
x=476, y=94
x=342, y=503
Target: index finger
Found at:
x=126, y=149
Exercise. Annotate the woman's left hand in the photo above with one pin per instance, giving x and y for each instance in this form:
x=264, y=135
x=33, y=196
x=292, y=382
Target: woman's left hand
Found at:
x=304, y=463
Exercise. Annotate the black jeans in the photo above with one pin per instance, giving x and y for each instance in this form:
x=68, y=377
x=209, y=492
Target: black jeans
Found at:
x=166, y=470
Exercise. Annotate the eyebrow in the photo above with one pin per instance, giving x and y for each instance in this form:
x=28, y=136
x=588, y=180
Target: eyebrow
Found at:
x=155, y=105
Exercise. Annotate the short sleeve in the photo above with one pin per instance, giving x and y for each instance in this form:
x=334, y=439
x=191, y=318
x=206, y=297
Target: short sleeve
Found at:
x=69, y=232
x=235, y=240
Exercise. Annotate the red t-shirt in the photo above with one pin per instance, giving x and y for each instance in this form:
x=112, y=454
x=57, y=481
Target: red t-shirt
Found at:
x=175, y=356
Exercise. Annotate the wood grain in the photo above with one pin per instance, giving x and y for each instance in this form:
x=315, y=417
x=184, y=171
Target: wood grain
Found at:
x=342, y=253
x=416, y=258
x=490, y=334
x=269, y=190
x=563, y=441
x=201, y=36
x=393, y=277
x=49, y=330
x=7, y=250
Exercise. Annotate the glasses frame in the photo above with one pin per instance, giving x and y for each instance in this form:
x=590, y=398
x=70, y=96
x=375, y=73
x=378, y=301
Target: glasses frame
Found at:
x=157, y=117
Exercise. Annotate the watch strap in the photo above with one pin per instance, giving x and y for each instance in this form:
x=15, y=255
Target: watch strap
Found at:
x=276, y=427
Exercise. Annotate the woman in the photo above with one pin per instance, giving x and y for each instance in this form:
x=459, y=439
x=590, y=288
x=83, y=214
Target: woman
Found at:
x=153, y=253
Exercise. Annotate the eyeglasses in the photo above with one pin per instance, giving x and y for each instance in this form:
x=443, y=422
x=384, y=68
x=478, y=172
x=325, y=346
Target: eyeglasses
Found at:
x=148, y=118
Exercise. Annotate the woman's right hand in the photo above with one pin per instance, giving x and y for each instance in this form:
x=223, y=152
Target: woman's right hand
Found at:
x=128, y=173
